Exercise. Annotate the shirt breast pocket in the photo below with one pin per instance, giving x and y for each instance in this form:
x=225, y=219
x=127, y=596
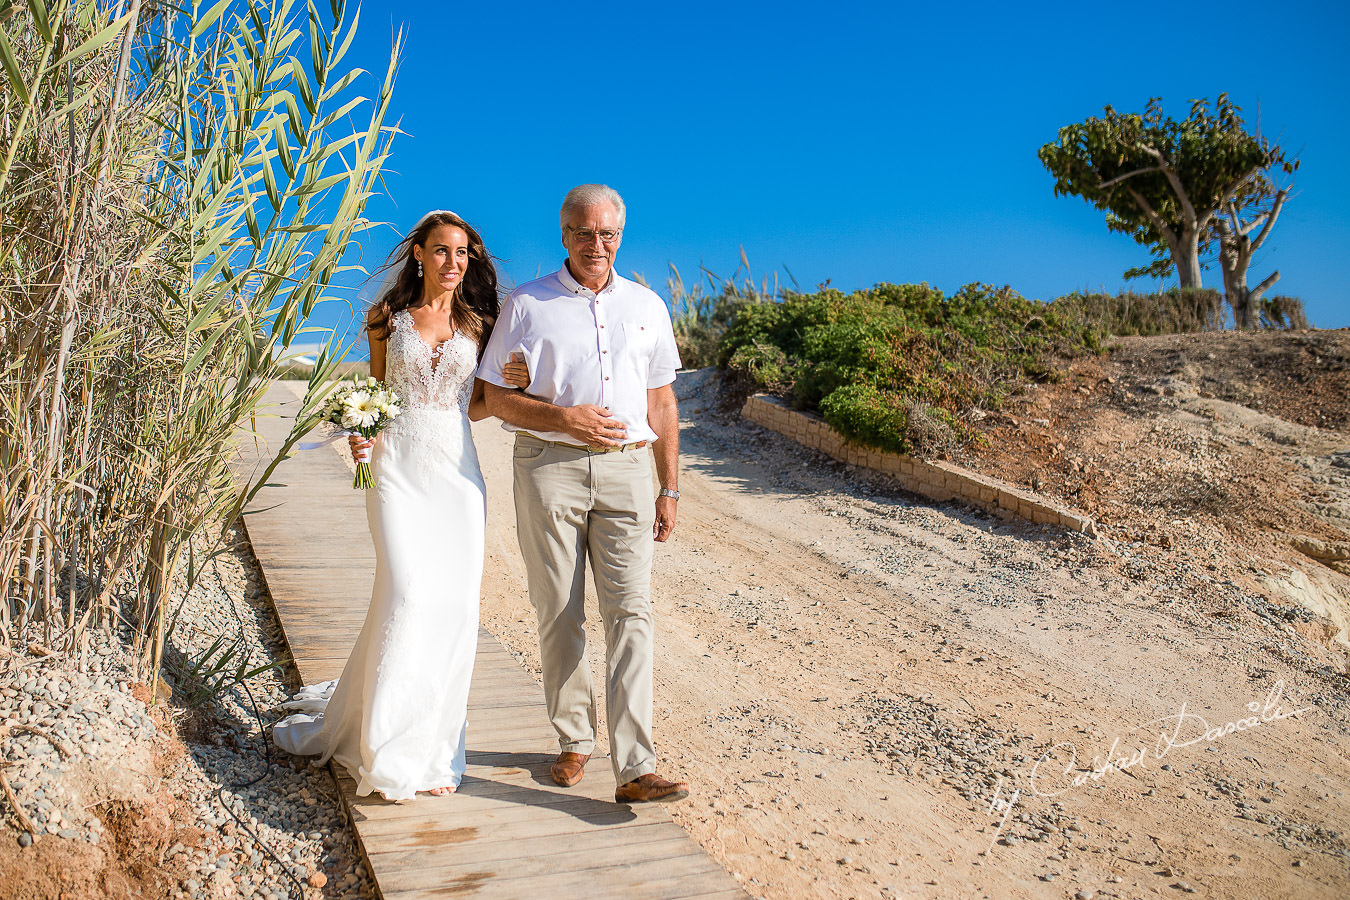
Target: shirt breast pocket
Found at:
x=639, y=342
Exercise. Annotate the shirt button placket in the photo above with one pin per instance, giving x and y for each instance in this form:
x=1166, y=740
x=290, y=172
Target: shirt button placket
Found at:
x=603, y=339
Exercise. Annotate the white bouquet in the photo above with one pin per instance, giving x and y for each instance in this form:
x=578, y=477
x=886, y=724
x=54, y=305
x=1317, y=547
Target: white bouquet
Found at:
x=365, y=408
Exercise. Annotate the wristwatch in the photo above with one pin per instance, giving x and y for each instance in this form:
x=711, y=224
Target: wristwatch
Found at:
x=667, y=492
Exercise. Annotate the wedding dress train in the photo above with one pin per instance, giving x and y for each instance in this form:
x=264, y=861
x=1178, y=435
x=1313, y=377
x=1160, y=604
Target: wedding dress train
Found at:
x=396, y=718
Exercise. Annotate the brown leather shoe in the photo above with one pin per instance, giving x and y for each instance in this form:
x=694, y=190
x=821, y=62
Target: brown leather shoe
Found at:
x=568, y=768
x=651, y=788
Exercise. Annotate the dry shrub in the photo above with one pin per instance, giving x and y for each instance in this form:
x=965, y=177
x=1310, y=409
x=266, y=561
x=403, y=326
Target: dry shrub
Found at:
x=1128, y=313
x=1283, y=312
x=928, y=433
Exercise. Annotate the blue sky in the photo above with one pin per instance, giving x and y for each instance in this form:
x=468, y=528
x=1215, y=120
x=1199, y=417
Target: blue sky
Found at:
x=852, y=142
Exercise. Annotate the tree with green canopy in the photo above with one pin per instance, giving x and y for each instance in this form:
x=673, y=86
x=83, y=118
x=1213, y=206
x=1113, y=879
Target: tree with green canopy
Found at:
x=1168, y=183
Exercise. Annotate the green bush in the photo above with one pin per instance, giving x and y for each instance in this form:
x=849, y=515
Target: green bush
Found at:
x=863, y=413
x=699, y=322
x=758, y=323
x=897, y=366
x=762, y=365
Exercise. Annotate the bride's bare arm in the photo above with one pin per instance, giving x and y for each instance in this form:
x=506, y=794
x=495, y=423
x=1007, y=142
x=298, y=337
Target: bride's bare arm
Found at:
x=377, y=346
x=517, y=372
x=477, y=404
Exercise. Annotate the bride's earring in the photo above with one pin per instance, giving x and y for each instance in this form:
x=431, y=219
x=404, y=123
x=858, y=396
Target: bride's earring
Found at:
x=419, y=268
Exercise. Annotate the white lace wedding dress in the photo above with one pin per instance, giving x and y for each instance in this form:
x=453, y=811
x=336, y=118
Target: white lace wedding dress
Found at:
x=396, y=718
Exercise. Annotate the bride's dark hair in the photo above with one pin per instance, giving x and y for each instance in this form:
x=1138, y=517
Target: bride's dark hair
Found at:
x=476, y=302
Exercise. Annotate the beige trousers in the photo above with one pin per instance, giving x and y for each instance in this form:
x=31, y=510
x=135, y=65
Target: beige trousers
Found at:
x=573, y=505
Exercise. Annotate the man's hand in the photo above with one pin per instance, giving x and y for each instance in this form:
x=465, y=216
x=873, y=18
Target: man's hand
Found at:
x=665, y=518
x=517, y=371
x=663, y=415
x=593, y=426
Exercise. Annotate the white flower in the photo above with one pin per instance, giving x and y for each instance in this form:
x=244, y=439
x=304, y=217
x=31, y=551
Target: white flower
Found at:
x=363, y=408
x=363, y=403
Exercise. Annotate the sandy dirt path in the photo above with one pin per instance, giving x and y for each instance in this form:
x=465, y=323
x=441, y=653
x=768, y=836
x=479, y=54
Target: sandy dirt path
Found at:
x=875, y=696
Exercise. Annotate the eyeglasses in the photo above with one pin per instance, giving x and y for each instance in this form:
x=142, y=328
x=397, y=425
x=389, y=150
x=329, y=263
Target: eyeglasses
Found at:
x=586, y=235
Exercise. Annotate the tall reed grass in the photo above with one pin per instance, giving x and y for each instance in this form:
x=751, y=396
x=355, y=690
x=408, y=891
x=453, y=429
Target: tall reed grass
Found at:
x=700, y=315
x=177, y=190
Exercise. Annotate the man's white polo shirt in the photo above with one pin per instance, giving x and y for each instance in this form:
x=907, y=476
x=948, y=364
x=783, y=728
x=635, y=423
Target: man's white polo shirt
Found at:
x=607, y=348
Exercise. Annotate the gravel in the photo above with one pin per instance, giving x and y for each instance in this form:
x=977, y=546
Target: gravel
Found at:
x=73, y=725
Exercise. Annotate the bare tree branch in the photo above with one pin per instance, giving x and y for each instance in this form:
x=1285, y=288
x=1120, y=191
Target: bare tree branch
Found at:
x=1119, y=178
x=1247, y=228
x=1157, y=220
x=1264, y=285
x=1232, y=189
x=1187, y=208
x=1270, y=220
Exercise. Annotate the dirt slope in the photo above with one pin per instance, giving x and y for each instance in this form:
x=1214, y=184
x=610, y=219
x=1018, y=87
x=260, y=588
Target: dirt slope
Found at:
x=1224, y=458
x=861, y=685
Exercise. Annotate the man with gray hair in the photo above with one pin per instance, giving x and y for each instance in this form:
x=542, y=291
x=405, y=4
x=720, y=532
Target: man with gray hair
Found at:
x=601, y=406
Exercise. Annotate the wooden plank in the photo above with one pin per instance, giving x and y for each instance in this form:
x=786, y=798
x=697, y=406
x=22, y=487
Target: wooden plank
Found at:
x=625, y=880
x=509, y=832
x=506, y=807
x=525, y=690
x=567, y=842
x=488, y=674
x=529, y=864
x=315, y=672
x=531, y=735
x=423, y=835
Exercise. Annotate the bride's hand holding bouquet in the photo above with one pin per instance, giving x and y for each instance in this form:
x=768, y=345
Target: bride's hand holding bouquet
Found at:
x=361, y=410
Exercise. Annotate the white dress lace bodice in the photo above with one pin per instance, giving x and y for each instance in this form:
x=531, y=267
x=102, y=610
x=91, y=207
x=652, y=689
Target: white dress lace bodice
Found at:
x=429, y=377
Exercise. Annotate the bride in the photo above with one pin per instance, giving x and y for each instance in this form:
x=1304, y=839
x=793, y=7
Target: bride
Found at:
x=396, y=718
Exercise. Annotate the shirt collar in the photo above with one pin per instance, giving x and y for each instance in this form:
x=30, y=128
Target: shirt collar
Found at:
x=576, y=287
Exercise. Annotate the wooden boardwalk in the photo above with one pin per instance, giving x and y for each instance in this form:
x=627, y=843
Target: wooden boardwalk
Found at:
x=509, y=832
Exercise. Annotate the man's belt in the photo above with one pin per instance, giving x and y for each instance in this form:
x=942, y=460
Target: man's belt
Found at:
x=620, y=448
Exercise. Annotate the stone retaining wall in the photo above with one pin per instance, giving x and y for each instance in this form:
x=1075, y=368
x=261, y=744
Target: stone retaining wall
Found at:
x=937, y=480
